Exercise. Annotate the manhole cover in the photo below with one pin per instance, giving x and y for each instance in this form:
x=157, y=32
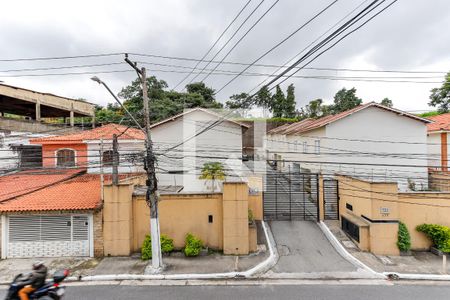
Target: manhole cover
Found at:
x=283, y=250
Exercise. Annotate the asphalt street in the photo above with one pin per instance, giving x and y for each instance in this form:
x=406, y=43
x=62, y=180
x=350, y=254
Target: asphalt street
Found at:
x=304, y=248
x=259, y=292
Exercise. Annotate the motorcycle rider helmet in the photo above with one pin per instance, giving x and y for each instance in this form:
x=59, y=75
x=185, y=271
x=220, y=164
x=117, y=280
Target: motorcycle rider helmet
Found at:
x=37, y=264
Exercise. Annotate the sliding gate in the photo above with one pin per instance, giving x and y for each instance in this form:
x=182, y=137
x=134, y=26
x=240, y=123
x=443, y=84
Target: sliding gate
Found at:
x=291, y=196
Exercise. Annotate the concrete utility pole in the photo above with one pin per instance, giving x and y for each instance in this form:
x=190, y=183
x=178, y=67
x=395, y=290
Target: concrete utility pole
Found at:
x=115, y=160
x=151, y=196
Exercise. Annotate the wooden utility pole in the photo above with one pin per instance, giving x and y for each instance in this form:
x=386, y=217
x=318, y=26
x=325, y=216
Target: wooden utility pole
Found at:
x=151, y=196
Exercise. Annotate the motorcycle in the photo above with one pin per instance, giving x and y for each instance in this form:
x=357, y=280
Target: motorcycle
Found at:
x=51, y=290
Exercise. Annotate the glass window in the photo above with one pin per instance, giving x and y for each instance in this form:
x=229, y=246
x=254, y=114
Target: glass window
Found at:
x=317, y=146
x=305, y=147
x=65, y=158
x=107, y=157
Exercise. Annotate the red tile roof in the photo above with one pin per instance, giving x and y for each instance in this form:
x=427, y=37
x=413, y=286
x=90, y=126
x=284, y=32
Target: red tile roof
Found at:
x=309, y=124
x=79, y=193
x=441, y=123
x=104, y=132
x=25, y=182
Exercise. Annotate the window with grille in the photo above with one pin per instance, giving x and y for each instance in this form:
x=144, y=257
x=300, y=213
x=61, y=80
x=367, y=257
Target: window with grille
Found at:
x=317, y=146
x=65, y=158
x=108, y=158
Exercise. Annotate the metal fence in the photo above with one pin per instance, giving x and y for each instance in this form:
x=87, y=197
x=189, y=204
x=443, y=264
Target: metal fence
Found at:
x=291, y=196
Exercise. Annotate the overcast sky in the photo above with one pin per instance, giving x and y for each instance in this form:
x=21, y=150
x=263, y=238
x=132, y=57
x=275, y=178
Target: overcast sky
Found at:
x=410, y=35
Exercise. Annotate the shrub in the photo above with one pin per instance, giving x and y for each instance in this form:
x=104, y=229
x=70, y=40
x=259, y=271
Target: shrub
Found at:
x=404, y=239
x=251, y=217
x=193, y=245
x=439, y=235
x=146, y=250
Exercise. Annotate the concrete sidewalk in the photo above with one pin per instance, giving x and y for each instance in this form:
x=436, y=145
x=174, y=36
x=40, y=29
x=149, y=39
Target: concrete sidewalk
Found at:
x=417, y=263
x=175, y=264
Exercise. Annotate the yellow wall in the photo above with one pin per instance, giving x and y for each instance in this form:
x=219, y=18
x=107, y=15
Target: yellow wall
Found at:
x=419, y=208
x=383, y=202
x=181, y=214
x=117, y=220
x=235, y=218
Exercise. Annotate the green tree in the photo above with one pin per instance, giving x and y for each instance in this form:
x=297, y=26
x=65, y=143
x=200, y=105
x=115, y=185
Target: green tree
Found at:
x=315, y=109
x=264, y=98
x=212, y=171
x=387, y=102
x=163, y=103
x=239, y=101
x=289, y=105
x=440, y=97
x=345, y=100
x=277, y=103
x=200, y=88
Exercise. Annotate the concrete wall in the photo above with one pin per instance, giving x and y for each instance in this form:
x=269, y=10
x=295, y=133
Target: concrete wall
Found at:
x=235, y=218
x=378, y=207
x=98, y=234
x=126, y=219
x=118, y=220
x=418, y=208
x=77, y=106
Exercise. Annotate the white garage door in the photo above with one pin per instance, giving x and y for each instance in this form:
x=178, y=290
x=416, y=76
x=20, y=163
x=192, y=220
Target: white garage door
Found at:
x=48, y=236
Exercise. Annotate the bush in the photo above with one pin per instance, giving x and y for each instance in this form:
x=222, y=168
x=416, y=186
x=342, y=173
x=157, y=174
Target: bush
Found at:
x=439, y=235
x=146, y=250
x=193, y=245
x=166, y=244
x=404, y=239
x=251, y=217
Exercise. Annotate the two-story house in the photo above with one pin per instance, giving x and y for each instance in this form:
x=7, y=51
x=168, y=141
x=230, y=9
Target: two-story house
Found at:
x=370, y=141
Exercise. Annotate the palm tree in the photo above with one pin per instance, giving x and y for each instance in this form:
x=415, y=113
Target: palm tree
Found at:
x=212, y=171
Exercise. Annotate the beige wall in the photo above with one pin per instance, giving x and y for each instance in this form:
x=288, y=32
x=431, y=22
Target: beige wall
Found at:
x=182, y=214
x=418, y=208
x=117, y=220
x=126, y=219
x=382, y=202
x=235, y=218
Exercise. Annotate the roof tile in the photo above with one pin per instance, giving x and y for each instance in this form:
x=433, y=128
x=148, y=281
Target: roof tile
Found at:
x=104, y=132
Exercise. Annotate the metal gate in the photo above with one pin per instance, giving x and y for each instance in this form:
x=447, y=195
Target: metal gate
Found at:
x=291, y=196
x=331, y=199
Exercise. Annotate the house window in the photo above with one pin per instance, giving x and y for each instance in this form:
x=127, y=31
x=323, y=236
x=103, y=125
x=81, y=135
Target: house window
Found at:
x=296, y=146
x=305, y=147
x=108, y=157
x=65, y=158
x=317, y=146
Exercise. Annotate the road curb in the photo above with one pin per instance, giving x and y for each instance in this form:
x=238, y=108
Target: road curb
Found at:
x=345, y=254
x=431, y=277
x=253, y=272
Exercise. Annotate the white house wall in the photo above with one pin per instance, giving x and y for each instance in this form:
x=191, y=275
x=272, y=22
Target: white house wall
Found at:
x=340, y=152
x=222, y=143
x=403, y=143
x=434, y=149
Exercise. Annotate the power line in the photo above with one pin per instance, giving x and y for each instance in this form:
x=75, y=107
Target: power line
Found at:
x=346, y=35
x=61, y=57
x=328, y=39
x=229, y=40
x=242, y=37
x=278, y=44
x=215, y=43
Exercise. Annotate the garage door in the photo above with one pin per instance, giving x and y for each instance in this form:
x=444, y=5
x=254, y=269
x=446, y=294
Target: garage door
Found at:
x=48, y=236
